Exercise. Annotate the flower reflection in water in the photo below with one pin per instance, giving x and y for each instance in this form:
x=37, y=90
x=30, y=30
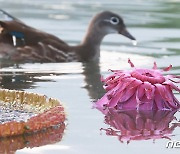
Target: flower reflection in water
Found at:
x=140, y=125
x=49, y=136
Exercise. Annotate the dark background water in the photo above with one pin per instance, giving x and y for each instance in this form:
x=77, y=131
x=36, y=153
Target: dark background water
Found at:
x=154, y=23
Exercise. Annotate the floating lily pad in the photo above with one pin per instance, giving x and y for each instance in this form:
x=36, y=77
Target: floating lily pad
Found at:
x=22, y=112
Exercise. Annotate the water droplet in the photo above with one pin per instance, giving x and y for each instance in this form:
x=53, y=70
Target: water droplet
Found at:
x=134, y=42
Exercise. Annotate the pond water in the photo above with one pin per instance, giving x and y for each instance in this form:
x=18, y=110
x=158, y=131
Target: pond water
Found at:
x=154, y=23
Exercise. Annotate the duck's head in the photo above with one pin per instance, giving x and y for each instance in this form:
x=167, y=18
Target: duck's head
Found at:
x=108, y=22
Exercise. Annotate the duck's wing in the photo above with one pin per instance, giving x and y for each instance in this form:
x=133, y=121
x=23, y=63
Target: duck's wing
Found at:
x=20, y=39
x=6, y=16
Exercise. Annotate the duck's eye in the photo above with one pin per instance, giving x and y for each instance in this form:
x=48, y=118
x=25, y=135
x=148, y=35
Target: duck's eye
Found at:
x=114, y=20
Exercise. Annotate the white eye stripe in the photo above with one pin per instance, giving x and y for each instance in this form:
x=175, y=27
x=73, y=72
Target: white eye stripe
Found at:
x=113, y=20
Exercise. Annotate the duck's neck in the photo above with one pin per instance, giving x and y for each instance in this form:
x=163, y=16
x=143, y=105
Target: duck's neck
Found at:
x=91, y=44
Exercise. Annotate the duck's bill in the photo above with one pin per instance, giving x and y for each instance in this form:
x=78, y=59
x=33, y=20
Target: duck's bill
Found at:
x=125, y=33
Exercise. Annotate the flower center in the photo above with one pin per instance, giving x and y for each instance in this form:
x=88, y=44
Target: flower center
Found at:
x=148, y=75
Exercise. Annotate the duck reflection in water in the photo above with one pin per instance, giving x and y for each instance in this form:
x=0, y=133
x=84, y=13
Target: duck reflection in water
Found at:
x=140, y=125
x=92, y=75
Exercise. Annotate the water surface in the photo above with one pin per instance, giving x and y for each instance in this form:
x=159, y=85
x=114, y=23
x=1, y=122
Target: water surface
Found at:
x=154, y=23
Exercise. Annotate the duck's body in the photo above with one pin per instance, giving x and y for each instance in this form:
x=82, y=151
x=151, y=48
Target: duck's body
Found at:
x=22, y=43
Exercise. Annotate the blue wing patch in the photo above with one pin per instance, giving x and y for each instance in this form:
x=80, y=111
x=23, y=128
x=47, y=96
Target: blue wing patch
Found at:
x=19, y=35
x=17, y=38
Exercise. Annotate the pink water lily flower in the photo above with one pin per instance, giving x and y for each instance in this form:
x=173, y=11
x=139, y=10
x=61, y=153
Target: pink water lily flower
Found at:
x=141, y=89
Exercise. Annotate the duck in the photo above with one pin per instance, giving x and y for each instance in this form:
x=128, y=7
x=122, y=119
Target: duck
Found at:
x=22, y=43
